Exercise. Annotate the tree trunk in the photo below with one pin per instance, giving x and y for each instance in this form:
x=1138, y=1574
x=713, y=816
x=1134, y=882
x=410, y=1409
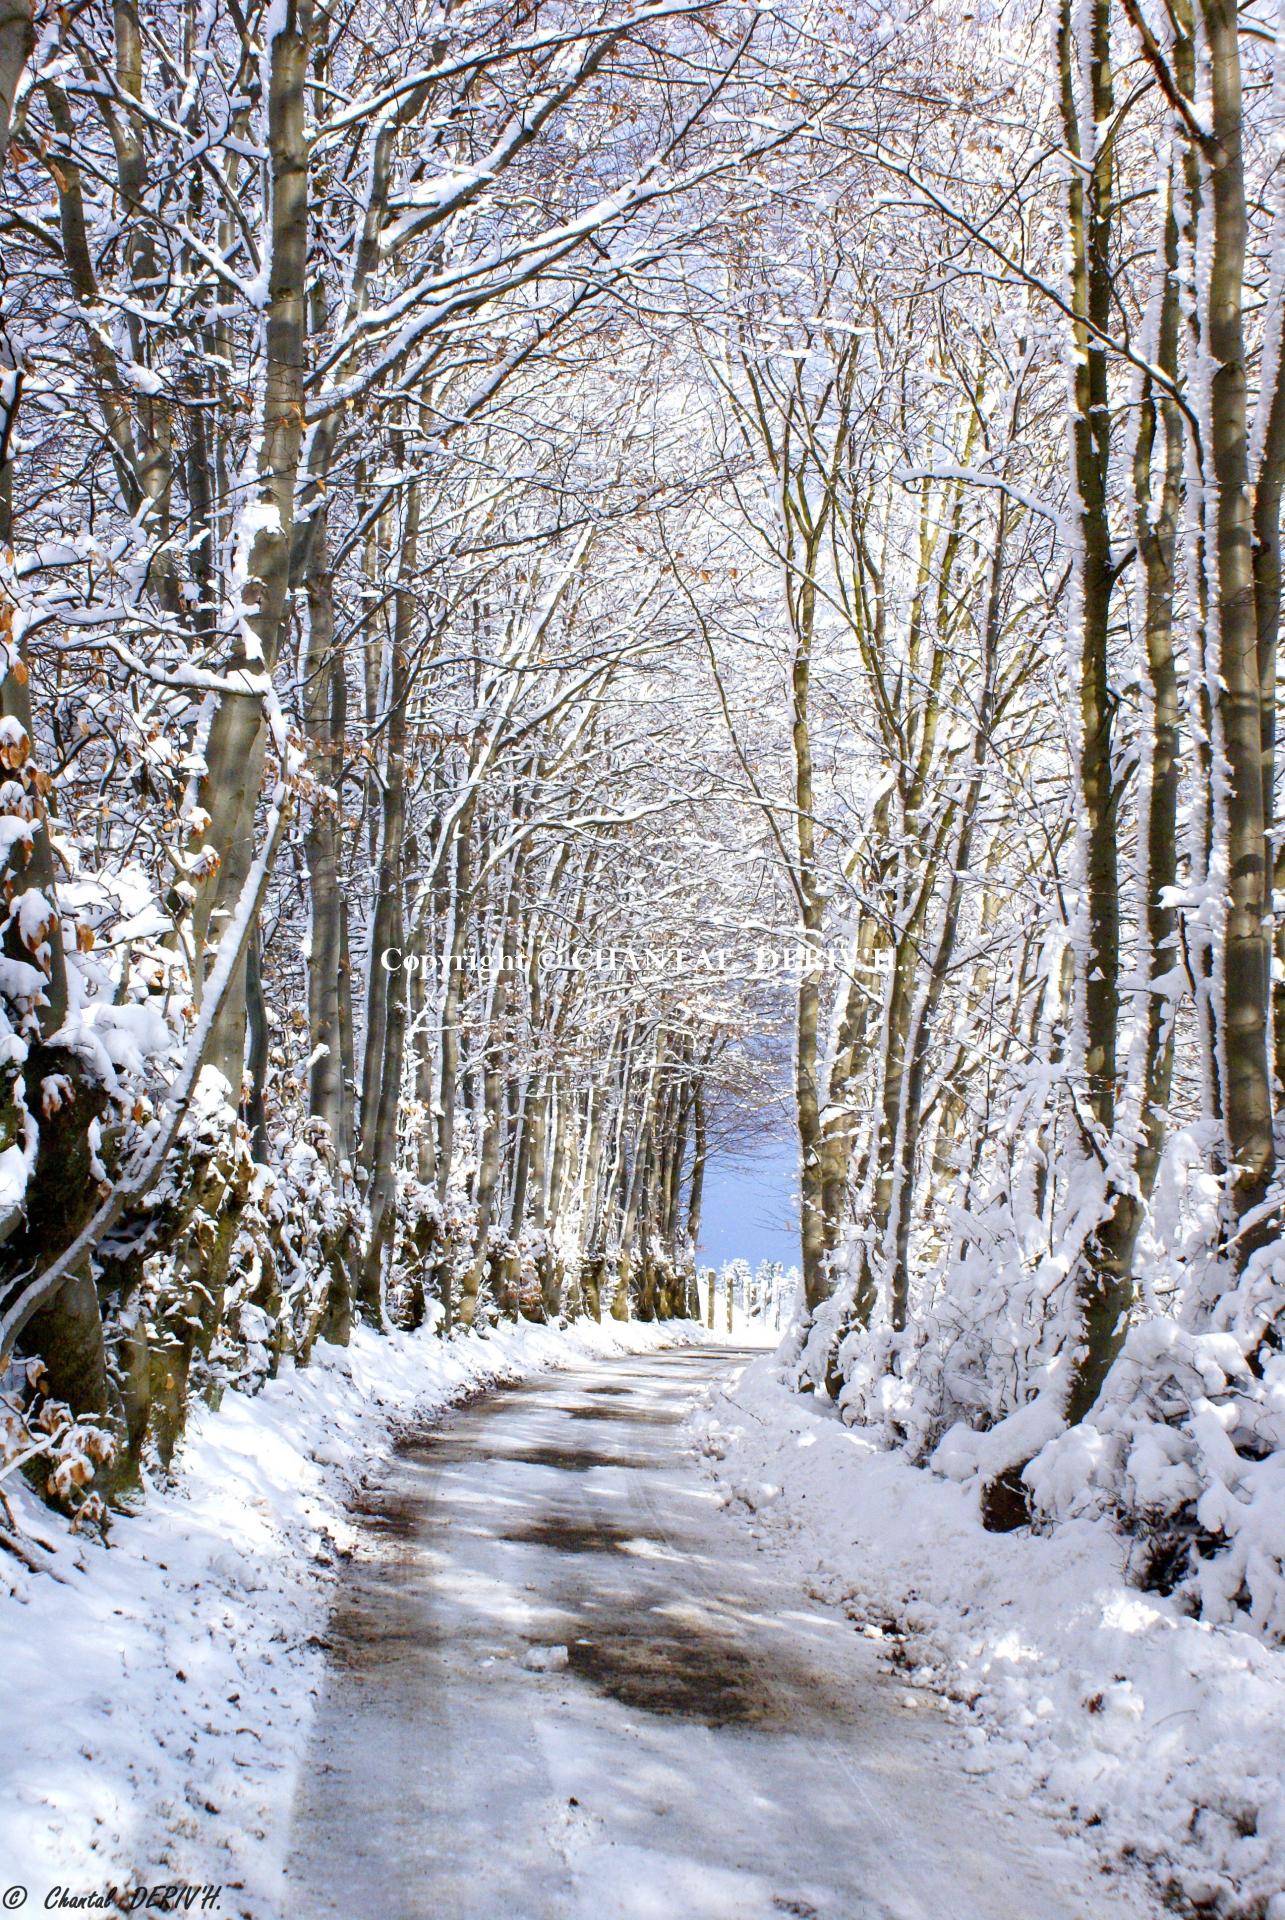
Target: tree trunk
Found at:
x=1245, y=975
x=236, y=744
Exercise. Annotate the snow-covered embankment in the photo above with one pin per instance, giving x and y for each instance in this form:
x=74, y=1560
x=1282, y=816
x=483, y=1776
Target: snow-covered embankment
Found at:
x=1161, y=1736
x=159, y=1691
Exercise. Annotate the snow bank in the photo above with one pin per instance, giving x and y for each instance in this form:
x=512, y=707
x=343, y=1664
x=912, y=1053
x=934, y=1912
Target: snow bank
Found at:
x=159, y=1693
x=1161, y=1735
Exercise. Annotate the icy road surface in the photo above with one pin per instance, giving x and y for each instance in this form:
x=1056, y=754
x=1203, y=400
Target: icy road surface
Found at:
x=711, y=1746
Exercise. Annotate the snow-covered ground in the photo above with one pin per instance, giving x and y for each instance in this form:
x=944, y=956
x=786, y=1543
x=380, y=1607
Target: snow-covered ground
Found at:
x=1161, y=1738
x=159, y=1694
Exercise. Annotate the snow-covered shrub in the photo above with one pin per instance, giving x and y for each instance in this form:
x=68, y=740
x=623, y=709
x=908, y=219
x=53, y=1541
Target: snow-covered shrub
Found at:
x=1185, y=1451
x=59, y=1454
x=301, y=1219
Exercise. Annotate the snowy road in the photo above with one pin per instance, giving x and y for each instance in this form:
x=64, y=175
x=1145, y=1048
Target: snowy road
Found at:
x=717, y=1748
